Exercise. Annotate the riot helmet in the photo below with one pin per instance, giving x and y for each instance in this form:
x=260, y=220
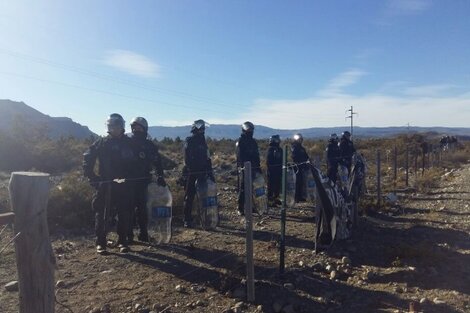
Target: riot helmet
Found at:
x=346, y=134
x=298, y=138
x=248, y=127
x=199, y=127
x=115, y=125
x=139, y=121
x=274, y=139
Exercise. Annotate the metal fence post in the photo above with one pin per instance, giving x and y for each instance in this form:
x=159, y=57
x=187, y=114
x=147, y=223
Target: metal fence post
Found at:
x=250, y=271
x=283, y=213
x=379, y=191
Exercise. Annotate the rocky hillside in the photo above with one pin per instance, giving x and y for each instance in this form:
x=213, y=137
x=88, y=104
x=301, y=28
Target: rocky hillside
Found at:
x=17, y=116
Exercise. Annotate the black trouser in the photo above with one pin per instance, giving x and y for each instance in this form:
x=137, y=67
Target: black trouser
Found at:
x=274, y=184
x=109, y=200
x=139, y=210
x=299, y=185
x=189, y=194
x=332, y=171
x=241, y=192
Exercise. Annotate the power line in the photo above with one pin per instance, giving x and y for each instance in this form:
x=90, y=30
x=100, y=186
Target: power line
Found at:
x=351, y=116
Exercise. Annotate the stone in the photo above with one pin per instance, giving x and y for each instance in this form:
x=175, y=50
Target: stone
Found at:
x=106, y=308
x=60, y=284
x=259, y=308
x=179, y=288
x=423, y=300
x=438, y=301
x=197, y=288
x=12, y=286
x=333, y=275
x=289, y=286
x=329, y=268
x=345, y=260
x=240, y=304
x=138, y=306
x=301, y=263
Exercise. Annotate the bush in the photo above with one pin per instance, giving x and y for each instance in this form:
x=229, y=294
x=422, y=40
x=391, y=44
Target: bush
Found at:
x=70, y=203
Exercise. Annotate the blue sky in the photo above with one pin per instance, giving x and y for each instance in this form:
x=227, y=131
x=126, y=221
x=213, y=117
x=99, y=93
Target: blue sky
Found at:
x=284, y=64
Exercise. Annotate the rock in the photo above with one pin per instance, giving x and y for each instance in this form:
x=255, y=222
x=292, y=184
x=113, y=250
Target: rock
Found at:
x=137, y=306
x=200, y=303
x=197, y=288
x=60, y=284
x=259, y=308
x=288, y=309
x=329, y=268
x=12, y=286
x=333, y=275
x=289, y=286
x=277, y=307
x=423, y=300
x=301, y=263
x=239, y=293
x=106, y=308
x=345, y=260
x=240, y=304
x=180, y=288
x=438, y=301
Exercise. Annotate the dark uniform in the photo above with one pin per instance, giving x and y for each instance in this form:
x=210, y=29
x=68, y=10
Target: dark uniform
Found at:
x=116, y=160
x=333, y=156
x=346, y=148
x=274, y=166
x=197, y=165
x=147, y=158
x=247, y=150
x=299, y=157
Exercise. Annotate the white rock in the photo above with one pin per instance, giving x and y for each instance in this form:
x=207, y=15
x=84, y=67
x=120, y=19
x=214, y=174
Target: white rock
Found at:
x=333, y=275
x=438, y=301
x=12, y=286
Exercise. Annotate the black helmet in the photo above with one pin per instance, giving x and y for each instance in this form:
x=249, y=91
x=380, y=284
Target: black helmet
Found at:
x=298, y=138
x=140, y=121
x=248, y=127
x=115, y=121
x=346, y=134
x=274, y=139
x=198, y=126
x=333, y=137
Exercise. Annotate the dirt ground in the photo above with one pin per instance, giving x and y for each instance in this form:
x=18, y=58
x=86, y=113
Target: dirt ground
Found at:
x=414, y=254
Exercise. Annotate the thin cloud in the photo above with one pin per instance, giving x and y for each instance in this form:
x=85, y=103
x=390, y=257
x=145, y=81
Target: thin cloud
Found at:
x=343, y=80
x=428, y=90
x=132, y=63
x=405, y=7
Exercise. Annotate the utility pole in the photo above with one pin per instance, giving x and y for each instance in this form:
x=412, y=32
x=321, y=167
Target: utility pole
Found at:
x=351, y=116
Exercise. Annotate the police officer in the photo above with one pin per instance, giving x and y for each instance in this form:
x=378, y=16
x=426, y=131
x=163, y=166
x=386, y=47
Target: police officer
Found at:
x=332, y=157
x=299, y=157
x=346, y=148
x=198, y=165
x=274, y=166
x=147, y=159
x=116, y=160
x=247, y=150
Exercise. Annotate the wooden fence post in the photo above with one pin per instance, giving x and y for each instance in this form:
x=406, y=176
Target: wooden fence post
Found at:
x=29, y=193
x=250, y=270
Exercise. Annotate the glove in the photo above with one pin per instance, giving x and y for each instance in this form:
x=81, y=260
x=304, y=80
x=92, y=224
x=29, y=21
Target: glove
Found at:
x=95, y=182
x=161, y=181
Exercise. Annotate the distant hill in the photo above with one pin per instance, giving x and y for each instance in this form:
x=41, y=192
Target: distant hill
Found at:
x=262, y=132
x=18, y=115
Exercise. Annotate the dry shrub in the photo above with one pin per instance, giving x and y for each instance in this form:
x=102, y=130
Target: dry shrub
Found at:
x=70, y=203
x=429, y=179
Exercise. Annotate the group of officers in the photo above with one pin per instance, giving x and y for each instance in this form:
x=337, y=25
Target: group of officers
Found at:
x=125, y=164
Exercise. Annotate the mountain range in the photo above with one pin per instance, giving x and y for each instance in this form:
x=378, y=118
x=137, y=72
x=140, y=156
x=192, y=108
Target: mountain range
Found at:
x=18, y=114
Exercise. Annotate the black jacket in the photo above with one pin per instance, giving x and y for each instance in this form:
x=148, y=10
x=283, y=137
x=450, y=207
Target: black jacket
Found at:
x=116, y=159
x=299, y=154
x=274, y=159
x=196, y=155
x=346, y=148
x=247, y=150
x=333, y=153
x=147, y=158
